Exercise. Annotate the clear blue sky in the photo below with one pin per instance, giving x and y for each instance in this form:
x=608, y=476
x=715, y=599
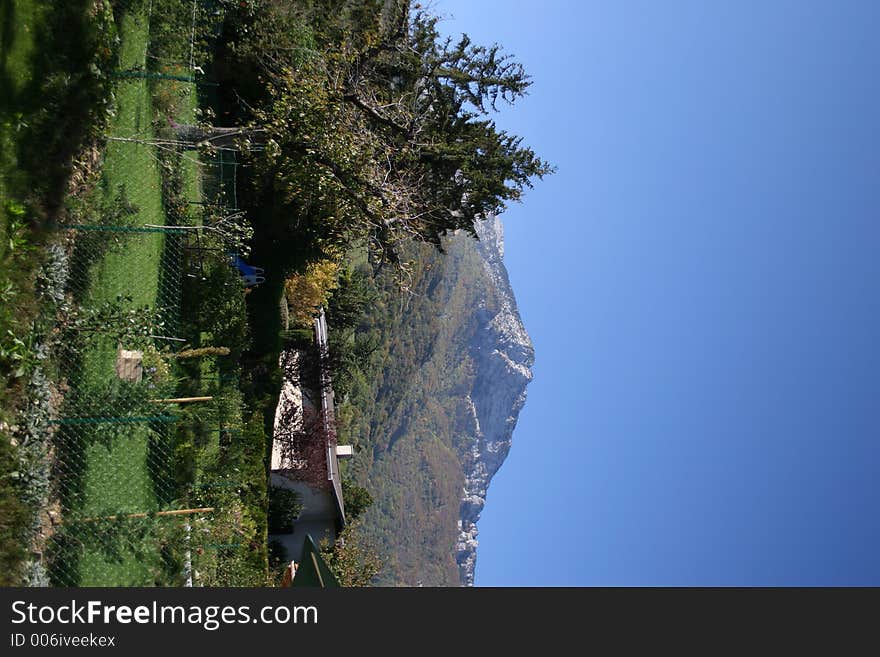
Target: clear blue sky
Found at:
x=700, y=280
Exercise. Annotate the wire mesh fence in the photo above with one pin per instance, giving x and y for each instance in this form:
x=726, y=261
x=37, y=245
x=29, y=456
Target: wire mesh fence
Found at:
x=112, y=474
x=125, y=493
x=144, y=492
x=143, y=495
x=137, y=506
x=130, y=274
x=220, y=179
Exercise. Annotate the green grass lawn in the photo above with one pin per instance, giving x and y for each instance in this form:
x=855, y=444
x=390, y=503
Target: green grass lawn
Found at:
x=118, y=474
x=131, y=269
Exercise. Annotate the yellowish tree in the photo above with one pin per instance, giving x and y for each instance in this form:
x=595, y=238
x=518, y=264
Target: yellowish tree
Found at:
x=306, y=292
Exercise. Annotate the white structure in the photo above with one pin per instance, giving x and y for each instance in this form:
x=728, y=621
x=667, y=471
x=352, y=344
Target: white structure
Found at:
x=314, y=473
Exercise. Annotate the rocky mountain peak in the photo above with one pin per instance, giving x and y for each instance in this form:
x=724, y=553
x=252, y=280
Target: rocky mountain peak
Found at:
x=503, y=356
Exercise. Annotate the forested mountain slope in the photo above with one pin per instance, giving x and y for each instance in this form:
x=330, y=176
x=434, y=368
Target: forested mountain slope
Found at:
x=434, y=410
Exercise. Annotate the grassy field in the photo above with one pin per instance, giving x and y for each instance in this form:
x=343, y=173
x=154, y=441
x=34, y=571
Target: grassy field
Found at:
x=117, y=477
x=111, y=469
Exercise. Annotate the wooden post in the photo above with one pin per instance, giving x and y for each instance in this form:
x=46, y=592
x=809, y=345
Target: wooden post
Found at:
x=166, y=337
x=317, y=569
x=180, y=400
x=174, y=512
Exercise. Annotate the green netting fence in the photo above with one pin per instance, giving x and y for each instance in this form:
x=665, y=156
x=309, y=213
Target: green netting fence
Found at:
x=142, y=493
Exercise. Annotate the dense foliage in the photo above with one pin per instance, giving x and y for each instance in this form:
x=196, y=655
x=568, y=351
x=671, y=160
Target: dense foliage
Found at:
x=53, y=103
x=371, y=125
x=308, y=291
x=369, y=133
x=284, y=507
x=357, y=499
x=405, y=405
x=352, y=558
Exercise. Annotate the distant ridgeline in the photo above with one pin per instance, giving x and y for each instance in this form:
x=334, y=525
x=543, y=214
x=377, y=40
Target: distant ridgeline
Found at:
x=434, y=411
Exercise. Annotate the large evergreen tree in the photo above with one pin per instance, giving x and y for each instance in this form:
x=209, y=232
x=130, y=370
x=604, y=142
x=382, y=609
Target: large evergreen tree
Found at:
x=375, y=126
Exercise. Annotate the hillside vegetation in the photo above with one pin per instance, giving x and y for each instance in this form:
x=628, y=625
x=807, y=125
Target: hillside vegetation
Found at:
x=343, y=146
x=370, y=142
x=403, y=410
x=423, y=372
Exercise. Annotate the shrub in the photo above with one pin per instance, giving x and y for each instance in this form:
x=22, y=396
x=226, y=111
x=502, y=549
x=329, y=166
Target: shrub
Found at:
x=16, y=518
x=353, y=559
x=202, y=352
x=155, y=364
x=310, y=290
x=284, y=507
x=357, y=499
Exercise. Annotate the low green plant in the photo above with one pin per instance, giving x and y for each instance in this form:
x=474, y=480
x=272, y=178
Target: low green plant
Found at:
x=15, y=354
x=155, y=364
x=201, y=352
x=117, y=320
x=14, y=512
x=357, y=499
x=285, y=505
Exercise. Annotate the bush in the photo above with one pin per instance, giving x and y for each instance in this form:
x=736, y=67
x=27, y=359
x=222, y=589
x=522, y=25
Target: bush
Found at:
x=308, y=291
x=284, y=507
x=16, y=518
x=352, y=559
x=357, y=499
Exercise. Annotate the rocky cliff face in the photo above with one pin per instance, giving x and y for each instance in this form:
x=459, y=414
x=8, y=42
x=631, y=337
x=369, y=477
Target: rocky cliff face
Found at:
x=502, y=354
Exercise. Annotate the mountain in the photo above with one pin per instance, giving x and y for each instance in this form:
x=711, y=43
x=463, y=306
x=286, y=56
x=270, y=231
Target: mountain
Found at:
x=433, y=411
x=503, y=355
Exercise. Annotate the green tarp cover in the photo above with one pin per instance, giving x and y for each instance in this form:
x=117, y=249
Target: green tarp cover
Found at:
x=312, y=569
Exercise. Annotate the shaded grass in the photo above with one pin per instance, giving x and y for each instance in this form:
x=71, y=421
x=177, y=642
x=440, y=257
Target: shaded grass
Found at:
x=117, y=475
x=18, y=19
x=121, y=475
x=53, y=95
x=18, y=22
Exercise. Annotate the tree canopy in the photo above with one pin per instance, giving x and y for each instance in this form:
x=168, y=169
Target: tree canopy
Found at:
x=376, y=127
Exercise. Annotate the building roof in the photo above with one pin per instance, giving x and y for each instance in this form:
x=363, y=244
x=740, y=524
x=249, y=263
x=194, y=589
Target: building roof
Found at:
x=311, y=418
